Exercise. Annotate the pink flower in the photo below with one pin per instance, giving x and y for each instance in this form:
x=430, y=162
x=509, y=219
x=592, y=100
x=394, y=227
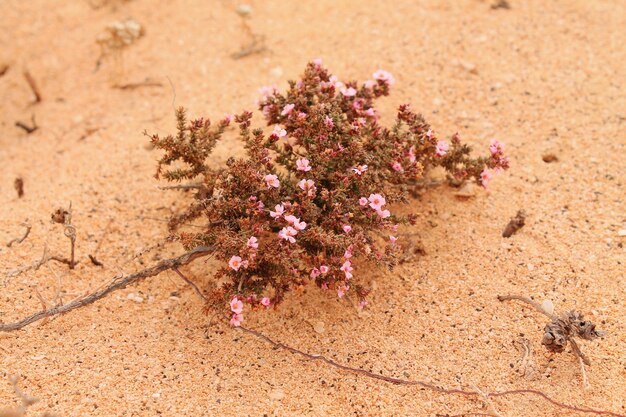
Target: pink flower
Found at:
x=411, y=154
x=315, y=273
x=308, y=186
x=235, y=263
x=328, y=122
x=341, y=290
x=397, y=166
x=348, y=92
x=392, y=239
x=279, y=131
x=303, y=165
x=324, y=285
x=302, y=115
x=236, y=320
x=266, y=91
x=317, y=62
x=429, y=134
x=229, y=117
x=360, y=170
x=287, y=109
x=324, y=269
x=348, y=253
x=297, y=224
x=363, y=201
x=347, y=228
x=362, y=304
x=442, y=148
x=369, y=84
x=496, y=147
x=370, y=112
x=347, y=269
x=271, y=180
x=335, y=82
x=265, y=301
x=288, y=233
x=485, y=177
x=383, y=213
x=253, y=243
x=236, y=305
x=280, y=209
x=384, y=76
x=377, y=201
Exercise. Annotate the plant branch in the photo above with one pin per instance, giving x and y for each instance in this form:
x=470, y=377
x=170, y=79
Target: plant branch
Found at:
x=116, y=284
x=537, y=306
x=423, y=384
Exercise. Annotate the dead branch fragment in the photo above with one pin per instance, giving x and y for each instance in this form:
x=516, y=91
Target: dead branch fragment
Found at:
x=95, y=261
x=33, y=86
x=515, y=224
x=117, y=283
x=549, y=158
x=88, y=132
x=501, y=4
x=22, y=238
x=132, y=86
x=19, y=186
x=255, y=47
x=29, y=129
x=33, y=266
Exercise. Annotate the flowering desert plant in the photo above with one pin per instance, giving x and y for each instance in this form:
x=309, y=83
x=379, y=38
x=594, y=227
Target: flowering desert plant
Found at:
x=310, y=200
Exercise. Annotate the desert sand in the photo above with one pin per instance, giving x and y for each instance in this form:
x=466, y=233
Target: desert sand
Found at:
x=542, y=77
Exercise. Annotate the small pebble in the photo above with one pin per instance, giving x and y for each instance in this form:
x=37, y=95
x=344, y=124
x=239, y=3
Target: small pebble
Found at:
x=277, y=395
x=319, y=327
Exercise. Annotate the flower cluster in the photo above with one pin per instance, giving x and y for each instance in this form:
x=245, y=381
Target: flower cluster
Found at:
x=311, y=198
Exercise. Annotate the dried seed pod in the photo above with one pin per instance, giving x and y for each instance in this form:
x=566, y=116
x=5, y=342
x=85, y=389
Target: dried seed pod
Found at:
x=556, y=335
x=60, y=215
x=583, y=328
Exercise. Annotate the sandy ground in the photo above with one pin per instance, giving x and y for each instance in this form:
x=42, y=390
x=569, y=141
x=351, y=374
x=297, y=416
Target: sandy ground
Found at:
x=543, y=77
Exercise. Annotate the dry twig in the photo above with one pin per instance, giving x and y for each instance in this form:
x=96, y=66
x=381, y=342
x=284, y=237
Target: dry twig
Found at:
x=33, y=86
x=515, y=224
x=117, y=283
x=21, y=238
x=19, y=186
x=29, y=129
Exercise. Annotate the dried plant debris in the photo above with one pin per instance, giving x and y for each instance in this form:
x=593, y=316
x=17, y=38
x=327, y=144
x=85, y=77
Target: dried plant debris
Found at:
x=28, y=128
x=3, y=69
x=548, y=158
x=563, y=328
x=120, y=34
x=26, y=401
x=501, y=4
x=33, y=86
x=256, y=42
x=97, y=4
x=19, y=186
x=21, y=238
x=515, y=224
x=64, y=217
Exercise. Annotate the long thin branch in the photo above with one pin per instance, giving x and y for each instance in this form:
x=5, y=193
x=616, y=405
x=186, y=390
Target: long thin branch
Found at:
x=528, y=301
x=399, y=381
x=116, y=284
